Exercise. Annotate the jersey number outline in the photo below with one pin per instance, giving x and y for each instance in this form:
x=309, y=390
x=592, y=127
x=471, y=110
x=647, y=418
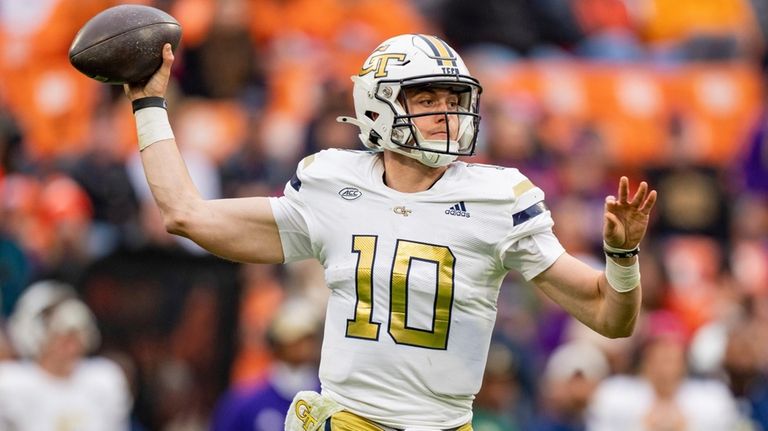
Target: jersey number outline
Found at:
x=362, y=325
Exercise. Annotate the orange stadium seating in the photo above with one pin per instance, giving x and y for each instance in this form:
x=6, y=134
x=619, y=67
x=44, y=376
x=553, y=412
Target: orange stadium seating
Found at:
x=667, y=20
x=51, y=101
x=632, y=106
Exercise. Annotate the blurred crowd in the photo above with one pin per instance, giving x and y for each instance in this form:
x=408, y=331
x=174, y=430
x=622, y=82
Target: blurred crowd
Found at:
x=575, y=94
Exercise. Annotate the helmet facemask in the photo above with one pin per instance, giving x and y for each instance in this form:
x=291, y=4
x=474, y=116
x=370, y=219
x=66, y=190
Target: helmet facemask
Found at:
x=460, y=123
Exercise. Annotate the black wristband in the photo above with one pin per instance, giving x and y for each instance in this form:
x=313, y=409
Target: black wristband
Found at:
x=149, y=102
x=624, y=254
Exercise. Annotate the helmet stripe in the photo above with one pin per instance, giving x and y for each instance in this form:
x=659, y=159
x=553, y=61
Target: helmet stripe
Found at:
x=443, y=53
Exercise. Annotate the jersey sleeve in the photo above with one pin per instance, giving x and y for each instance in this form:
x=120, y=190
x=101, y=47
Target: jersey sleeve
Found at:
x=292, y=216
x=530, y=246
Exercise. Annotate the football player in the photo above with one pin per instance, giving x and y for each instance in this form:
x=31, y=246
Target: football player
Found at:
x=55, y=385
x=415, y=244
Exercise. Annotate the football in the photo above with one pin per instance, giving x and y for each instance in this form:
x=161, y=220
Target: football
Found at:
x=124, y=44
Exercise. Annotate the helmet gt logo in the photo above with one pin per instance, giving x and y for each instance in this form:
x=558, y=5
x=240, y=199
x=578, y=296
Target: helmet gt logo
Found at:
x=379, y=63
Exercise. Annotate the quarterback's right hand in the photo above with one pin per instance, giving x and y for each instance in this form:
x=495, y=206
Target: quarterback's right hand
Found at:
x=157, y=84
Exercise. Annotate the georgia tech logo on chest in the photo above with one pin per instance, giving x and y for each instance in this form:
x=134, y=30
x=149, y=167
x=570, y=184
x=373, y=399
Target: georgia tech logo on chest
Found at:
x=401, y=210
x=380, y=62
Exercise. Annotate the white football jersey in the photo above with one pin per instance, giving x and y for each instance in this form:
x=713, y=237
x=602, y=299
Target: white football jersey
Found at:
x=95, y=397
x=414, y=278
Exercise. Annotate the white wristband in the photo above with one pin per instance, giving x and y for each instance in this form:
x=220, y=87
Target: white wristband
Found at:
x=152, y=126
x=622, y=278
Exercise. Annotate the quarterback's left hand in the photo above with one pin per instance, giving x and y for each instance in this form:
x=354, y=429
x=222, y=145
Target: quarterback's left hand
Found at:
x=626, y=220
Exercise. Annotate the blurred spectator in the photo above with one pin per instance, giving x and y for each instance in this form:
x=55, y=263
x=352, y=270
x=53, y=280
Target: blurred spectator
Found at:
x=699, y=290
x=570, y=378
x=503, y=403
x=294, y=339
x=522, y=27
x=744, y=366
x=226, y=41
x=502, y=23
x=21, y=222
x=263, y=292
x=609, y=31
x=603, y=16
x=175, y=314
x=248, y=167
x=102, y=173
x=18, y=195
x=662, y=396
x=49, y=220
x=66, y=213
x=571, y=215
x=54, y=386
x=510, y=137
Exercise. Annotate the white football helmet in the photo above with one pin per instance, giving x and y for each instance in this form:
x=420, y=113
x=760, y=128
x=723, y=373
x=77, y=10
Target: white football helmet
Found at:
x=414, y=61
x=49, y=307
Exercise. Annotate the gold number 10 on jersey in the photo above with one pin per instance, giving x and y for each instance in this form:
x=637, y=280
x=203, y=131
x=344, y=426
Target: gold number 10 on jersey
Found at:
x=363, y=326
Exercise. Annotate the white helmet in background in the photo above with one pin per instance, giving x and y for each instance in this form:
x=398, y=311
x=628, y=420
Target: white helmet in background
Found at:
x=414, y=60
x=46, y=308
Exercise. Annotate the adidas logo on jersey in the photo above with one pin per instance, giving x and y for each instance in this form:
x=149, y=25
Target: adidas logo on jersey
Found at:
x=459, y=210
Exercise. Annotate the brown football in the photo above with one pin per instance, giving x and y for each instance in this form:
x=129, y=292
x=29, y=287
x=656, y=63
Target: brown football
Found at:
x=123, y=44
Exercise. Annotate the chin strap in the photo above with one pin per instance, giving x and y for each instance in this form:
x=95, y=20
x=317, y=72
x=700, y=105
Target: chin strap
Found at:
x=435, y=160
x=430, y=158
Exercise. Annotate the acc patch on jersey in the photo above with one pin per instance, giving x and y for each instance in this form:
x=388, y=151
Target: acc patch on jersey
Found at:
x=350, y=193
